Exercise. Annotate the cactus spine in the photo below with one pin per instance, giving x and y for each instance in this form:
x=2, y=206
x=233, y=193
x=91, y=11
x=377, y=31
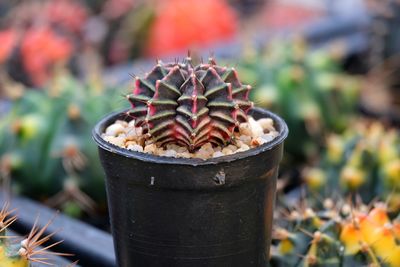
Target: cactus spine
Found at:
x=27, y=251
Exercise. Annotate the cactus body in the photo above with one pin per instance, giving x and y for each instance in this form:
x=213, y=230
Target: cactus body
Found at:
x=190, y=105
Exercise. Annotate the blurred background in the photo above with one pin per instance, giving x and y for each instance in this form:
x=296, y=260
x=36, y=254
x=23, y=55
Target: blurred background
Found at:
x=330, y=68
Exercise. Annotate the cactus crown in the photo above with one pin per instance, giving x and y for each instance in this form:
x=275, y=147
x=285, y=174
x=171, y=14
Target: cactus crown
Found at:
x=190, y=105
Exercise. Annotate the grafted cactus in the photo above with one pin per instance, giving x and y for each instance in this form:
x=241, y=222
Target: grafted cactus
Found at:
x=190, y=105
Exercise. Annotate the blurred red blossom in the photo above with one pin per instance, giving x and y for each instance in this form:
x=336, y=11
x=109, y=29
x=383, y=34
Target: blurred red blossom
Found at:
x=8, y=39
x=183, y=24
x=41, y=49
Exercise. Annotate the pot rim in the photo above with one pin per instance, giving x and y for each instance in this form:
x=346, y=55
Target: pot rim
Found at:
x=110, y=118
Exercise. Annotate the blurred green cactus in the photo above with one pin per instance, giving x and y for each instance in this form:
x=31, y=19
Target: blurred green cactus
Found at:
x=46, y=151
x=364, y=160
x=307, y=88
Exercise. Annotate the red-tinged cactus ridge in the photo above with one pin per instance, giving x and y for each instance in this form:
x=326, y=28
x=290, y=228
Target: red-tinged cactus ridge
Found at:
x=190, y=105
x=192, y=113
x=221, y=105
x=144, y=91
x=161, y=109
x=240, y=92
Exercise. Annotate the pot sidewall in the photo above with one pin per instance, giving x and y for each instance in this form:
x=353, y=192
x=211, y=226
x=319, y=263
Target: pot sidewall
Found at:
x=179, y=214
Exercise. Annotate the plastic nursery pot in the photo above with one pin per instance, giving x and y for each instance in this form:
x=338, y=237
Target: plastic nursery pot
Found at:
x=191, y=212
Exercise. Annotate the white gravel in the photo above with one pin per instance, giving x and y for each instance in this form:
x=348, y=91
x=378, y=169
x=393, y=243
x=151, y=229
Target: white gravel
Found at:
x=251, y=134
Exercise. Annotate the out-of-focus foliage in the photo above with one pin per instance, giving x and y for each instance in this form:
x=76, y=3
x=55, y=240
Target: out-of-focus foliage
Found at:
x=34, y=46
x=385, y=36
x=364, y=160
x=381, y=95
x=46, y=150
x=33, y=56
x=337, y=235
x=158, y=28
x=307, y=88
x=118, y=30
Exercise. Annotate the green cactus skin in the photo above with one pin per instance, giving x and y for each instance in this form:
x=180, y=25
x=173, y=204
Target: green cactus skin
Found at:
x=190, y=105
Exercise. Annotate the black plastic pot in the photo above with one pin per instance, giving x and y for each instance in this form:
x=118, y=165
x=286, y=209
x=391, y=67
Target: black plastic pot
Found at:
x=190, y=212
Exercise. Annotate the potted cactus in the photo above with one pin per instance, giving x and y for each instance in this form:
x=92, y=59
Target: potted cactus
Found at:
x=191, y=169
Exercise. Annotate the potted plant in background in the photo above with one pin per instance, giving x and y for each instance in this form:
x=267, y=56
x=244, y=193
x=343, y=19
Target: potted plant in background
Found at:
x=191, y=169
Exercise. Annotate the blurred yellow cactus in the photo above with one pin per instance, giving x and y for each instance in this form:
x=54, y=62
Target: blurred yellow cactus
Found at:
x=373, y=230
